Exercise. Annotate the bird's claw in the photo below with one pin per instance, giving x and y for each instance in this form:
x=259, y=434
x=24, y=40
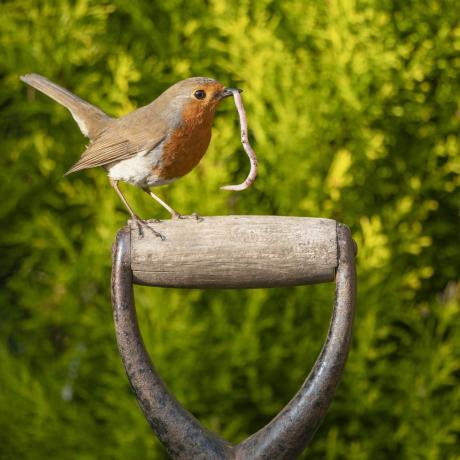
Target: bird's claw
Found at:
x=194, y=215
x=197, y=217
x=143, y=223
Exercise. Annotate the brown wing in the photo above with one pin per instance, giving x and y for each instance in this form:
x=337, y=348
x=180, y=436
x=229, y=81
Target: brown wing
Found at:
x=124, y=138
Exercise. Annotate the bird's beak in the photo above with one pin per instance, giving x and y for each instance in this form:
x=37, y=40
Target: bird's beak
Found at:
x=228, y=92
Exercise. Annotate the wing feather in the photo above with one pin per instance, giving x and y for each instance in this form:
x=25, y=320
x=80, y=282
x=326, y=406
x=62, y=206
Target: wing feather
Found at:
x=119, y=143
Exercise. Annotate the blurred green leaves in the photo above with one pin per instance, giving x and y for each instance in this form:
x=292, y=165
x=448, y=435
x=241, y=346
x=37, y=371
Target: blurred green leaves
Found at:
x=353, y=109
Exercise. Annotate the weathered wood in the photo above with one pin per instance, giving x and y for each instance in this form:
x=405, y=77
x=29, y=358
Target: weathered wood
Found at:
x=235, y=252
x=292, y=429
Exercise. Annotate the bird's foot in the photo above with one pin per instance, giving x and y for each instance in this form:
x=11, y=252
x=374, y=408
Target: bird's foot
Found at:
x=141, y=224
x=194, y=215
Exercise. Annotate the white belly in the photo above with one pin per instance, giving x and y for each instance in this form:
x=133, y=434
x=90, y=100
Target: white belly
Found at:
x=138, y=170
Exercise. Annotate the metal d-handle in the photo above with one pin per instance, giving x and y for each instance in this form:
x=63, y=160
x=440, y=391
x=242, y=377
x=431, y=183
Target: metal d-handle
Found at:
x=291, y=430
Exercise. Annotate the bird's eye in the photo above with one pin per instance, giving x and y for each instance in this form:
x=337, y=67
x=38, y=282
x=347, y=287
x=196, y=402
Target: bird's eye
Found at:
x=199, y=94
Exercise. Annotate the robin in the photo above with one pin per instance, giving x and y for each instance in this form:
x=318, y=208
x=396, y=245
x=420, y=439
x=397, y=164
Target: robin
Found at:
x=154, y=145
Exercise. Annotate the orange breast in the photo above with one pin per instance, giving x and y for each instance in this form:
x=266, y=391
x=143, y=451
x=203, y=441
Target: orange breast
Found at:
x=182, y=152
x=186, y=145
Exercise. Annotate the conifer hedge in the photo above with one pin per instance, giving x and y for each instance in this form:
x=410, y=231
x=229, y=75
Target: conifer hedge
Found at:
x=353, y=107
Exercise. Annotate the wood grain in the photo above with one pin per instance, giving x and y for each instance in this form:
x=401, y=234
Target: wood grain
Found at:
x=236, y=252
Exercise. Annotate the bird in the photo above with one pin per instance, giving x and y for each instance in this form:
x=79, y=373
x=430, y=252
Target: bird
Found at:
x=154, y=145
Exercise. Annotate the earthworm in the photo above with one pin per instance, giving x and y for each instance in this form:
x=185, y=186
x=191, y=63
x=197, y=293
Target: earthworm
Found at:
x=246, y=145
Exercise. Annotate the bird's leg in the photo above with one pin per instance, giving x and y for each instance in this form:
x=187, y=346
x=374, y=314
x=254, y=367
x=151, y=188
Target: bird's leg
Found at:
x=114, y=184
x=173, y=212
x=139, y=222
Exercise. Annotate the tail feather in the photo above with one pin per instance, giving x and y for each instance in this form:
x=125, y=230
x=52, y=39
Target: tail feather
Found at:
x=89, y=118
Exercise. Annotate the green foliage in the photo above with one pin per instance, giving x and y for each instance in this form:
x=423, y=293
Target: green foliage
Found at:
x=353, y=107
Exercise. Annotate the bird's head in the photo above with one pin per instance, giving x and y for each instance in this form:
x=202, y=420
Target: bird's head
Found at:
x=195, y=99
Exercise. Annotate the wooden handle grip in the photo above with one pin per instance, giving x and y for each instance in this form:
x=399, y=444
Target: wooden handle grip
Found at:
x=235, y=252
